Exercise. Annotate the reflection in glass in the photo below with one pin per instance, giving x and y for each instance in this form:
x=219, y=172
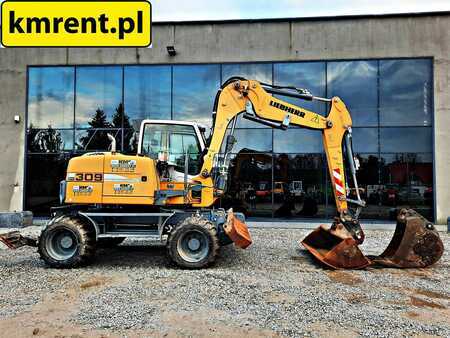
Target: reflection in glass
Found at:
x=249, y=140
x=405, y=92
x=355, y=82
x=296, y=140
x=397, y=140
x=147, y=92
x=408, y=182
x=308, y=75
x=299, y=185
x=368, y=177
x=250, y=184
x=98, y=96
x=97, y=139
x=44, y=172
x=50, y=97
x=194, y=90
x=49, y=140
x=261, y=72
x=365, y=140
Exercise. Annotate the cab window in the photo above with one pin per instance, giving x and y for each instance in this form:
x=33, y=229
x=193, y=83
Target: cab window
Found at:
x=176, y=141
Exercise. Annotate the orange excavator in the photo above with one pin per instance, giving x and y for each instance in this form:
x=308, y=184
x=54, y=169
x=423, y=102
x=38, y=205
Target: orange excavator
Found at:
x=168, y=190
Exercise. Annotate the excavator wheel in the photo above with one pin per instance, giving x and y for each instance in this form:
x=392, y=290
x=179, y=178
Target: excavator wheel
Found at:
x=193, y=244
x=67, y=243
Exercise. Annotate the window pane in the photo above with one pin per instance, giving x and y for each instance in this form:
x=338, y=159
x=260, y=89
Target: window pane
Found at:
x=397, y=140
x=299, y=185
x=49, y=140
x=50, y=97
x=355, y=82
x=369, y=183
x=194, y=90
x=147, y=93
x=405, y=92
x=250, y=184
x=365, y=140
x=297, y=140
x=250, y=140
x=130, y=141
x=308, y=75
x=44, y=172
x=261, y=72
x=179, y=145
x=97, y=139
x=98, y=96
x=408, y=182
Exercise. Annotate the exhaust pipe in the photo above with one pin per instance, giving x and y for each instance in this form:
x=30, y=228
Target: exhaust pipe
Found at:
x=113, y=142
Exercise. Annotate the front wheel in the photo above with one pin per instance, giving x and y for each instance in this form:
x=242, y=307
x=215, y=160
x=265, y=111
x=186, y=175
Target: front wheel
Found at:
x=68, y=243
x=193, y=244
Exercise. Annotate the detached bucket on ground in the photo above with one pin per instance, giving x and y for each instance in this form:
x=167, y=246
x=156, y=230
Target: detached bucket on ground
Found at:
x=334, y=250
x=415, y=244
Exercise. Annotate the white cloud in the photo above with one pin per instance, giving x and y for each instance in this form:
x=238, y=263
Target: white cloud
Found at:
x=176, y=10
x=182, y=10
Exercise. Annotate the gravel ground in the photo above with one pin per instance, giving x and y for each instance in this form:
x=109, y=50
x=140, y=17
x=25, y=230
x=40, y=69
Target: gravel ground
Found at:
x=272, y=289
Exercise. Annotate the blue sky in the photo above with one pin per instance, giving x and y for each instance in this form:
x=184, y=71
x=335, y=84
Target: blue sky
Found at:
x=177, y=10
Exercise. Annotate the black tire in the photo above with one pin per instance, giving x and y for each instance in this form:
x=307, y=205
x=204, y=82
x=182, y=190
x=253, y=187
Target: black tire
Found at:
x=67, y=244
x=200, y=231
x=109, y=242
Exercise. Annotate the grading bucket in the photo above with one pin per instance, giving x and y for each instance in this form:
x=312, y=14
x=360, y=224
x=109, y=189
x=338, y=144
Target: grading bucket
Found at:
x=335, y=250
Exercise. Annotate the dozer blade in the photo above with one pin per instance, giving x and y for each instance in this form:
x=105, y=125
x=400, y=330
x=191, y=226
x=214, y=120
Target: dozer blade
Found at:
x=14, y=240
x=416, y=243
x=237, y=231
x=335, y=248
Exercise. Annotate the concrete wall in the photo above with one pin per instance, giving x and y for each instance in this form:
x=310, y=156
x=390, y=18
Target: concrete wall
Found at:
x=349, y=38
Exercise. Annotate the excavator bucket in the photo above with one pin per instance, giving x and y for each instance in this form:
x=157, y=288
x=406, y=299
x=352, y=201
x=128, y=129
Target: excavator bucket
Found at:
x=334, y=248
x=14, y=240
x=416, y=243
x=237, y=231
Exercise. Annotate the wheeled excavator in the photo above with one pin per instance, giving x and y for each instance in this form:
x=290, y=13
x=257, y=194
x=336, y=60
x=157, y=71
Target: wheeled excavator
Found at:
x=167, y=191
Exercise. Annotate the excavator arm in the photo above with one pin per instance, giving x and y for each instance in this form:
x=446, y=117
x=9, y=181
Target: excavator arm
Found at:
x=254, y=101
x=415, y=244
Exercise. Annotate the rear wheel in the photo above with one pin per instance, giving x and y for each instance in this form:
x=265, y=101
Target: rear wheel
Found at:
x=193, y=244
x=68, y=243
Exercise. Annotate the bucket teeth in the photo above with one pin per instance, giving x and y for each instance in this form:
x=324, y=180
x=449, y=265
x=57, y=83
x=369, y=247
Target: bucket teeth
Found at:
x=415, y=244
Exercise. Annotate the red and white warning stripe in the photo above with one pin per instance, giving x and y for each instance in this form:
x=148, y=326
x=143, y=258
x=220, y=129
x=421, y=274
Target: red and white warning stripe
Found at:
x=340, y=190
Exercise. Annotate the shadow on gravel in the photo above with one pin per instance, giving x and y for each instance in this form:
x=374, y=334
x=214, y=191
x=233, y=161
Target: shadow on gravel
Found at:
x=306, y=258
x=156, y=257
x=132, y=256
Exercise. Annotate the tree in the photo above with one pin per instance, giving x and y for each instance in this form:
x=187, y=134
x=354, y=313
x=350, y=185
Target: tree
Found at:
x=121, y=120
x=96, y=139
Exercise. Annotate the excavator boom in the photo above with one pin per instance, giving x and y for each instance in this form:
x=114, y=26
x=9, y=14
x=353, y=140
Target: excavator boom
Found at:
x=415, y=244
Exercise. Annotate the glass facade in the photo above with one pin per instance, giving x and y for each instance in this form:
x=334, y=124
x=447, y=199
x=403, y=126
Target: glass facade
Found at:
x=274, y=173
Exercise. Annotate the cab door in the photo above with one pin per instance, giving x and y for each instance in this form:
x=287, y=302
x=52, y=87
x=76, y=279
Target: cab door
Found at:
x=171, y=141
